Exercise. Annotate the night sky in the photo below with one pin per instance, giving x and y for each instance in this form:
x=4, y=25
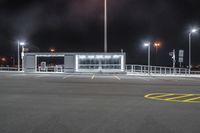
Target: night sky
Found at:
x=77, y=26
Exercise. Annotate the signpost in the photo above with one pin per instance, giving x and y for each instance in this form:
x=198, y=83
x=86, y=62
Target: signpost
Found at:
x=181, y=55
x=173, y=55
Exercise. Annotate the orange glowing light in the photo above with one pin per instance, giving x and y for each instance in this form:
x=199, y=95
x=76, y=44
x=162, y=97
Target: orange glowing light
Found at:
x=52, y=49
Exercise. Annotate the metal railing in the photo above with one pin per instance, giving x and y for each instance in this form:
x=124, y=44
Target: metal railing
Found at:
x=133, y=69
x=99, y=66
x=143, y=69
x=8, y=69
x=58, y=68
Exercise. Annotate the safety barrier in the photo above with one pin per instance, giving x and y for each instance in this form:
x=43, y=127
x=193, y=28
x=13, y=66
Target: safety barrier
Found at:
x=8, y=69
x=143, y=69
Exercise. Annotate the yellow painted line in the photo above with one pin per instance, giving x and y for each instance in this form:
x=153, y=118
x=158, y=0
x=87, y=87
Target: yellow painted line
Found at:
x=163, y=95
x=177, y=97
x=117, y=77
x=192, y=99
x=174, y=98
x=152, y=94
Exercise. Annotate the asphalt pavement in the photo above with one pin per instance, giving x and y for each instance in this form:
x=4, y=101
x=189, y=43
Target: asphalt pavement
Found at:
x=94, y=103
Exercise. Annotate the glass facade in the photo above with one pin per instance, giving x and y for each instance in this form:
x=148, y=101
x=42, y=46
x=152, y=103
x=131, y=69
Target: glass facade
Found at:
x=100, y=62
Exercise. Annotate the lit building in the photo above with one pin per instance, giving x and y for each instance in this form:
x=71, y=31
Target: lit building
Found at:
x=74, y=62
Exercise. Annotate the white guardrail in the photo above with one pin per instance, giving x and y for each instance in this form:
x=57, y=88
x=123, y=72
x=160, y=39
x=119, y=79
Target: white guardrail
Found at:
x=143, y=69
x=131, y=69
x=8, y=69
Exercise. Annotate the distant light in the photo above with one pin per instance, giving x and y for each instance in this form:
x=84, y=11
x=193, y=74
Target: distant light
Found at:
x=157, y=44
x=194, y=30
x=22, y=43
x=91, y=56
x=99, y=56
x=82, y=56
x=116, y=56
x=107, y=56
x=3, y=59
x=146, y=44
x=52, y=49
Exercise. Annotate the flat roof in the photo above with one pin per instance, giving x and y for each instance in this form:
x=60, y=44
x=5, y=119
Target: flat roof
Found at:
x=77, y=53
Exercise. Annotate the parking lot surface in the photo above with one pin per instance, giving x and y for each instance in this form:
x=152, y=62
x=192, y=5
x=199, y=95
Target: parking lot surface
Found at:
x=94, y=103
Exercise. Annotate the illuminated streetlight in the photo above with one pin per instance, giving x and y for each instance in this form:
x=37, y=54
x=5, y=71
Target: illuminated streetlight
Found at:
x=149, y=52
x=22, y=55
x=3, y=59
x=194, y=30
x=157, y=45
x=105, y=26
x=52, y=49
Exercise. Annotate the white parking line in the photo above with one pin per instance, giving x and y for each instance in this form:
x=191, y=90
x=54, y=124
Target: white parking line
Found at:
x=67, y=76
x=39, y=76
x=117, y=77
x=144, y=78
x=92, y=77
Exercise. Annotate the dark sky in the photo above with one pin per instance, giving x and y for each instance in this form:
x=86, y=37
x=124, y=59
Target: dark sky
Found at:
x=77, y=26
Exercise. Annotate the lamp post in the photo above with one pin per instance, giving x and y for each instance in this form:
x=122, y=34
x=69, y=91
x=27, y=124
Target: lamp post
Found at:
x=190, y=42
x=149, y=54
x=22, y=55
x=157, y=45
x=105, y=26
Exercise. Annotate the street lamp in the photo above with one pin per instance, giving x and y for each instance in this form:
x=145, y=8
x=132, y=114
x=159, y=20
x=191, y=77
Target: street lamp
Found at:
x=52, y=49
x=22, y=55
x=105, y=26
x=156, y=45
x=194, y=30
x=149, y=52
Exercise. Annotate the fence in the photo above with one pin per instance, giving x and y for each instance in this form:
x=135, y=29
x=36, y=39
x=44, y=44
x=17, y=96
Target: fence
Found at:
x=133, y=69
x=8, y=69
x=143, y=69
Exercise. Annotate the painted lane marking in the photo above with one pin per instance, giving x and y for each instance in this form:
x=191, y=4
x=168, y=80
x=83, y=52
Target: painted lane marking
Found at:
x=92, y=77
x=67, y=76
x=159, y=95
x=192, y=99
x=182, y=96
x=175, y=97
x=117, y=77
x=40, y=76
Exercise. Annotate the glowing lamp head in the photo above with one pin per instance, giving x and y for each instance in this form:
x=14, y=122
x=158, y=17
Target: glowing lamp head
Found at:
x=146, y=44
x=52, y=49
x=3, y=59
x=194, y=30
x=157, y=44
x=22, y=43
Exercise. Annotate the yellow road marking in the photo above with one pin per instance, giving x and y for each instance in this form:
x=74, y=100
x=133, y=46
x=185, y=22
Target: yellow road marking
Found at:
x=182, y=96
x=191, y=99
x=164, y=95
x=174, y=97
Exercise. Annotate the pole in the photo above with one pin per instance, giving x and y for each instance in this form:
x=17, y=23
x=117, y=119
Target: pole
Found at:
x=105, y=26
x=149, y=58
x=156, y=55
x=18, y=60
x=174, y=60
x=22, y=57
x=190, y=52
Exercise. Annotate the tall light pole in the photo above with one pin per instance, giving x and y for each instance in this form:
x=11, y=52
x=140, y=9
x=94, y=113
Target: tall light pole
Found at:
x=22, y=55
x=190, y=42
x=18, y=60
x=157, y=46
x=105, y=26
x=149, y=55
